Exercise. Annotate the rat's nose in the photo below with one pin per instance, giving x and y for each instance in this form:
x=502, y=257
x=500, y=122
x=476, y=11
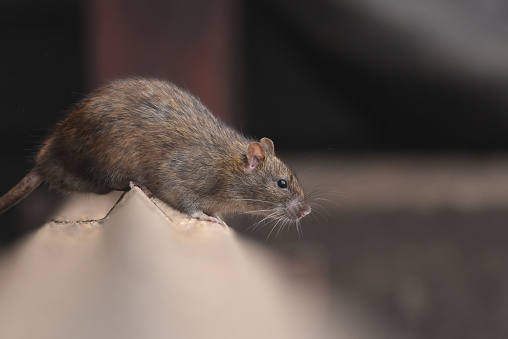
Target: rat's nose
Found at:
x=305, y=210
x=297, y=209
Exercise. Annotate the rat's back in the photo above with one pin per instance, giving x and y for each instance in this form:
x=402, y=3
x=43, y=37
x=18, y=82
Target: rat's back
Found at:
x=122, y=131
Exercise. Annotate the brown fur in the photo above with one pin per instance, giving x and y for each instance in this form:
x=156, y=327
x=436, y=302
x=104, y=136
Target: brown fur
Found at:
x=156, y=134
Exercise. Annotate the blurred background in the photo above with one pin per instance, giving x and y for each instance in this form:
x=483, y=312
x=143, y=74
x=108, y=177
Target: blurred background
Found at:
x=395, y=110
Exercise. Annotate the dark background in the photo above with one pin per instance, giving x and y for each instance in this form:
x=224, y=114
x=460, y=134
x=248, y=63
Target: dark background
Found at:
x=355, y=78
x=315, y=74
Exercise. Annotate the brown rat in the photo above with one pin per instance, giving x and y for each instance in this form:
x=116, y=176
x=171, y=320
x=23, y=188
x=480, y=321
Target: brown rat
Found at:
x=155, y=134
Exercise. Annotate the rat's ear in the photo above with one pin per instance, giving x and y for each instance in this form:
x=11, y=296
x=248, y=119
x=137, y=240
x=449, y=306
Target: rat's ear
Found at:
x=268, y=145
x=255, y=155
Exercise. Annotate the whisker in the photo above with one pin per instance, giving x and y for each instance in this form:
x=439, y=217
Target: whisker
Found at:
x=299, y=229
x=259, y=226
x=325, y=193
x=318, y=212
x=289, y=222
x=254, y=226
x=333, y=202
x=314, y=217
x=336, y=194
x=315, y=189
x=255, y=211
x=318, y=208
x=285, y=223
x=264, y=201
x=280, y=219
x=256, y=223
x=274, y=216
x=247, y=212
x=268, y=237
x=326, y=183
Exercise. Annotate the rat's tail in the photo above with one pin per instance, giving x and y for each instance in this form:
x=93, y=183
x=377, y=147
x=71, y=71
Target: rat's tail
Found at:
x=30, y=182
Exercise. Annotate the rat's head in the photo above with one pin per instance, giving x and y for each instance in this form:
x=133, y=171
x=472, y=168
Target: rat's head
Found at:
x=267, y=186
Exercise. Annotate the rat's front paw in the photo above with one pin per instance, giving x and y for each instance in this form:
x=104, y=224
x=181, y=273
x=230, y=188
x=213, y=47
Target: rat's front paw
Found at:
x=202, y=216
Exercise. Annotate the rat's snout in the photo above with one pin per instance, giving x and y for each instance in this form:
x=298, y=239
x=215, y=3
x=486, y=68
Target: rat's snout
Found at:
x=306, y=210
x=297, y=209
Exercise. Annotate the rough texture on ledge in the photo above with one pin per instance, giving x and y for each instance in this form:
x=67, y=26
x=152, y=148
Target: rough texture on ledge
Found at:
x=142, y=273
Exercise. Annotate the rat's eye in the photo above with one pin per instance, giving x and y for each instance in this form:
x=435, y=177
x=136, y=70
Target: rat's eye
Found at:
x=282, y=183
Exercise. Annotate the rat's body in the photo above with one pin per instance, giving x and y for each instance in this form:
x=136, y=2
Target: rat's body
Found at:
x=152, y=133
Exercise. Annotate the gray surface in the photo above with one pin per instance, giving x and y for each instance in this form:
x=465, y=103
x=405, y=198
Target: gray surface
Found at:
x=421, y=243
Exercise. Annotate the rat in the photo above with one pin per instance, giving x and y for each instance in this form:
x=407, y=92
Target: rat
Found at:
x=153, y=134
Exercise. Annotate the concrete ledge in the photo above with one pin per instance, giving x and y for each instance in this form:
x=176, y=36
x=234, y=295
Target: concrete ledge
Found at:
x=142, y=274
